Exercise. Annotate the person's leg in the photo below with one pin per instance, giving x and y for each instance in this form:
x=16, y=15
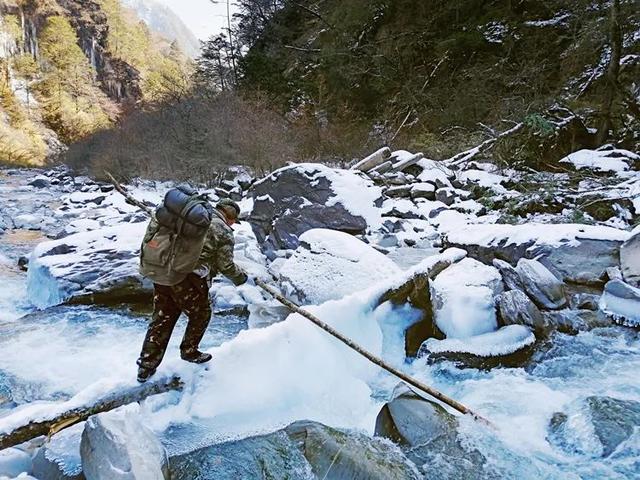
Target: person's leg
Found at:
x=163, y=321
x=196, y=304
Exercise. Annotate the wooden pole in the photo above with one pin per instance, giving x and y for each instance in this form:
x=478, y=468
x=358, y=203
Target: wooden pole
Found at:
x=368, y=355
x=71, y=417
x=128, y=197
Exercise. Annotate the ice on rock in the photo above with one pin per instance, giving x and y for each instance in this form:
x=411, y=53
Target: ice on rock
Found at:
x=14, y=462
x=463, y=298
x=622, y=301
x=329, y=265
x=504, y=341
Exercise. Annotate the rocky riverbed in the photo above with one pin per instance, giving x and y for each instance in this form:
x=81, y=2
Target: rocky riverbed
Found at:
x=446, y=271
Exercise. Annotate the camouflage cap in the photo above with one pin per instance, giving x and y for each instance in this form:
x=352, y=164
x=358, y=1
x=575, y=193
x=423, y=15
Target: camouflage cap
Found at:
x=228, y=205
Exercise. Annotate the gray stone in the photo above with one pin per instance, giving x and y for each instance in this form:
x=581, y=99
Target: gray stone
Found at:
x=586, y=301
x=298, y=198
x=429, y=436
x=116, y=446
x=575, y=321
x=630, y=260
x=541, y=285
x=446, y=196
x=301, y=451
x=380, y=169
x=406, y=162
x=40, y=182
x=423, y=190
x=403, y=191
x=518, y=309
x=509, y=274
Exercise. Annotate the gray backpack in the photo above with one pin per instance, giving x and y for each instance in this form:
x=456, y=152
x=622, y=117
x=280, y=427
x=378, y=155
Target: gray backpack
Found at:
x=175, y=236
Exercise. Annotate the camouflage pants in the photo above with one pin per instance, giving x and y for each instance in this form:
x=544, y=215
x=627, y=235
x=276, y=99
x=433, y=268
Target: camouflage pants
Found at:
x=191, y=296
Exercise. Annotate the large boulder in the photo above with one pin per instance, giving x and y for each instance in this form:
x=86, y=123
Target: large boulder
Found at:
x=622, y=302
x=329, y=265
x=117, y=446
x=630, y=259
x=429, y=436
x=302, y=451
x=300, y=197
x=575, y=253
x=463, y=298
x=99, y=266
x=517, y=309
x=541, y=285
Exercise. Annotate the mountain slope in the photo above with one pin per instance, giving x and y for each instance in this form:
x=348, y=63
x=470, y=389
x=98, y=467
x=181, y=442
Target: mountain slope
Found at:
x=69, y=68
x=165, y=22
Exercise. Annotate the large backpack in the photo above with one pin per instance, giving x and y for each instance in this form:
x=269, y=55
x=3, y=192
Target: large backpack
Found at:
x=175, y=236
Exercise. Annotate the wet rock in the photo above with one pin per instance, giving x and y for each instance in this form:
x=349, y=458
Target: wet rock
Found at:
x=586, y=301
x=23, y=263
x=510, y=276
x=622, y=302
x=541, y=285
x=329, y=264
x=40, y=182
x=116, y=446
x=298, y=198
x=429, y=436
x=630, y=260
x=574, y=321
x=303, y=450
x=609, y=421
x=517, y=309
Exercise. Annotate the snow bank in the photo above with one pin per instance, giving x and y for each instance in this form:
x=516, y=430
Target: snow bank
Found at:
x=463, y=298
x=536, y=234
x=616, y=160
x=329, y=265
x=504, y=341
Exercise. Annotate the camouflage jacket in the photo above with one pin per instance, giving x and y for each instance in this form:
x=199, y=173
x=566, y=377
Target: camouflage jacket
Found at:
x=217, y=252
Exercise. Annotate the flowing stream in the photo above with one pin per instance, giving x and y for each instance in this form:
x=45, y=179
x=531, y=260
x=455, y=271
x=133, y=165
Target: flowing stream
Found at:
x=56, y=353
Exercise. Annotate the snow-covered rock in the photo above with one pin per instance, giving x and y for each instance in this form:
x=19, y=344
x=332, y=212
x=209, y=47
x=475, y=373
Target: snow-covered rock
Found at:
x=509, y=274
x=622, y=302
x=300, y=197
x=542, y=286
x=499, y=343
x=575, y=252
x=100, y=265
x=616, y=160
x=329, y=265
x=117, y=446
x=463, y=299
x=518, y=309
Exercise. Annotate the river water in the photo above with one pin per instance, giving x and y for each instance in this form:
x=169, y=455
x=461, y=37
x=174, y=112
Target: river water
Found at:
x=56, y=353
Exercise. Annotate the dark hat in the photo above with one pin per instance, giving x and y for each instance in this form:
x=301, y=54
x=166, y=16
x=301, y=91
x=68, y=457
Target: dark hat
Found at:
x=229, y=205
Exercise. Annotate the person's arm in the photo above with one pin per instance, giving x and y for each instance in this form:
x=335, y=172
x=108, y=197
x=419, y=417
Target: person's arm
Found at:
x=217, y=252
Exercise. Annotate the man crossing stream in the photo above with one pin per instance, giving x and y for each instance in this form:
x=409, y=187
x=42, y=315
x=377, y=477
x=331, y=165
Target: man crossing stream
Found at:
x=186, y=244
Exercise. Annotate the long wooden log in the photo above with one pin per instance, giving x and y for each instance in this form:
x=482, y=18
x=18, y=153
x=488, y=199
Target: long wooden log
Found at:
x=76, y=415
x=370, y=356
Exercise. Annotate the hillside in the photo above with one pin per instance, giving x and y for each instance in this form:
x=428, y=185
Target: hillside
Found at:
x=69, y=68
x=163, y=21
x=442, y=76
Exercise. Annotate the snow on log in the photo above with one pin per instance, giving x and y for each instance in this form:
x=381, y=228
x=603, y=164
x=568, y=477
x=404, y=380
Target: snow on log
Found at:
x=375, y=159
x=49, y=424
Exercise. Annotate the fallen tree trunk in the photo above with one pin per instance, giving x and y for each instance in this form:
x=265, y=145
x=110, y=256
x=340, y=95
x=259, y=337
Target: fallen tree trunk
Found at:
x=470, y=154
x=71, y=417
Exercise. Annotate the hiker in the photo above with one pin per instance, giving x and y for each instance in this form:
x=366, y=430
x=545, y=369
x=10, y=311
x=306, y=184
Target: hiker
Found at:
x=186, y=244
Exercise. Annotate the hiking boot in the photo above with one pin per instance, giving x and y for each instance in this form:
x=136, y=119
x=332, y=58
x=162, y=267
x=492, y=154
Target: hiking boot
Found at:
x=145, y=373
x=196, y=357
